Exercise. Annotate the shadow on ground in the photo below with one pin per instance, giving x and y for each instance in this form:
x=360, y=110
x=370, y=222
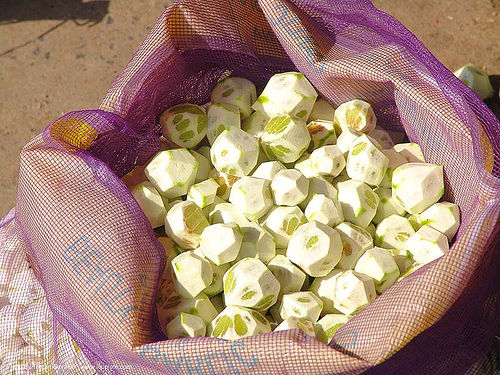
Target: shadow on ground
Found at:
x=79, y=11
x=83, y=12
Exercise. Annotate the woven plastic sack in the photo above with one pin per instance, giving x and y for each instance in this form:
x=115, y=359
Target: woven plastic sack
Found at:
x=31, y=340
x=99, y=262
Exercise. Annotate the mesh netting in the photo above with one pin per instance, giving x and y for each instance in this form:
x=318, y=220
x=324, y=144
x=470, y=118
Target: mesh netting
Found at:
x=99, y=262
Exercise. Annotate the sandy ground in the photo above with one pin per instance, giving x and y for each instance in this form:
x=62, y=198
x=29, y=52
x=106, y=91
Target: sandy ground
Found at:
x=62, y=55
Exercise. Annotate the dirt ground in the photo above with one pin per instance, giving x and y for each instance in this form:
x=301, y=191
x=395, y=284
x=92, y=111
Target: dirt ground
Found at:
x=62, y=55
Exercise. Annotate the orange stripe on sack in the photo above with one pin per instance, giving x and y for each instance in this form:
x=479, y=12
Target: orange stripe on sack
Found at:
x=73, y=134
x=488, y=157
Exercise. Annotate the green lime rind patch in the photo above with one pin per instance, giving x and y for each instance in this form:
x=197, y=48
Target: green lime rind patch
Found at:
x=222, y=325
x=290, y=225
x=361, y=210
x=240, y=326
x=219, y=130
x=258, y=316
x=263, y=99
x=311, y=242
x=277, y=124
x=370, y=199
x=302, y=326
x=322, y=141
x=265, y=302
x=327, y=335
x=269, y=152
x=279, y=150
x=194, y=219
x=189, y=108
x=177, y=118
x=201, y=123
x=301, y=114
x=230, y=282
x=182, y=125
x=186, y=135
x=193, y=310
x=358, y=148
x=402, y=236
x=248, y=295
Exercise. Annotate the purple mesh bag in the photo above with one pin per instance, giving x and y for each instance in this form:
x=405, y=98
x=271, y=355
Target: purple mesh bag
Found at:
x=98, y=259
